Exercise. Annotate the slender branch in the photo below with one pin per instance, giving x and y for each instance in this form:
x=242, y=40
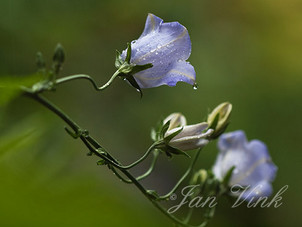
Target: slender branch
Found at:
x=164, y=197
x=149, y=171
x=89, y=78
x=127, y=181
x=140, y=159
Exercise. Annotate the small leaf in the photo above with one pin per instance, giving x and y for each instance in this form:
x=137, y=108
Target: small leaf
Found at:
x=101, y=162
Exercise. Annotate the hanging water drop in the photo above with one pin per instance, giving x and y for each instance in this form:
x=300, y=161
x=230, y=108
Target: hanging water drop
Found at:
x=195, y=86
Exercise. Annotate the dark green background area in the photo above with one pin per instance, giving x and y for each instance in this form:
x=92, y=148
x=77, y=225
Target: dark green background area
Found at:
x=246, y=52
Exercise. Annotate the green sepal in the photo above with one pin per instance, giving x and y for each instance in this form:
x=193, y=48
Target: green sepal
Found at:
x=128, y=56
x=138, y=68
x=228, y=176
x=127, y=69
x=155, y=132
x=118, y=59
x=59, y=55
x=58, y=60
x=172, y=150
x=164, y=129
x=215, y=122
x=133, y=83
x=216, y=134
x=170, y=137
x=40, y=61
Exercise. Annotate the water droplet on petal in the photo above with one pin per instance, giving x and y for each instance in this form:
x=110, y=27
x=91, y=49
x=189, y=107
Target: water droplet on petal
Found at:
x=156, y=53
x=158, y=46
x=195, y=86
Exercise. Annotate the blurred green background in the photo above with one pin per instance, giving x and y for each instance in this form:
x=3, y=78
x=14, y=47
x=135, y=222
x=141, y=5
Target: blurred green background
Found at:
x=245, y=52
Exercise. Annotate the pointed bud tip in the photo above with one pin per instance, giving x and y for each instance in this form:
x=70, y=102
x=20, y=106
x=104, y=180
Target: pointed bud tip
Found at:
x=59, y=55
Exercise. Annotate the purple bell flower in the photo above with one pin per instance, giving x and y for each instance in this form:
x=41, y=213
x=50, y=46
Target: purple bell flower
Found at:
x=253, y=166
x=166, y=46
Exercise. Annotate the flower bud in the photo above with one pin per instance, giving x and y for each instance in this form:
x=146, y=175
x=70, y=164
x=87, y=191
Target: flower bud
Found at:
x=199, y=177
x=176, y=120
x=186, y=137
x=59, y=55
x=218, y=119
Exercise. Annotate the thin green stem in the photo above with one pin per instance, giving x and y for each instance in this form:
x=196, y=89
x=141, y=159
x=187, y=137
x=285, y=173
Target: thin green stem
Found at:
x=164, y=197
x=149, y=171
x=127, y=181
x=140, y=159
x=89, y=78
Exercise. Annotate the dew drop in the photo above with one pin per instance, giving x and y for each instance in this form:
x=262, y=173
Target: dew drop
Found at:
x=158, y=46
x=195, y=86
x=156, y=53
